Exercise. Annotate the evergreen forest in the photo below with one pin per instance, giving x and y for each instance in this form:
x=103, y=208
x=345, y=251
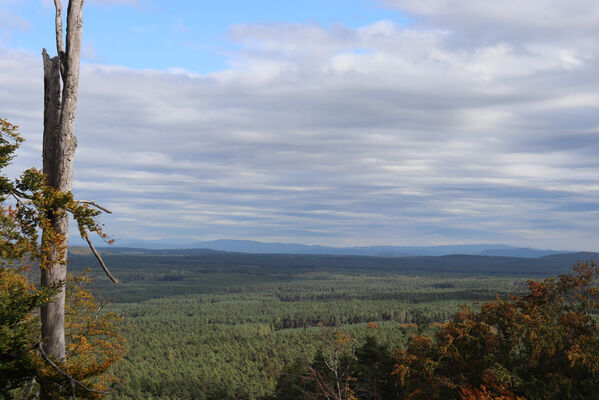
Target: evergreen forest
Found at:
x=202, y=324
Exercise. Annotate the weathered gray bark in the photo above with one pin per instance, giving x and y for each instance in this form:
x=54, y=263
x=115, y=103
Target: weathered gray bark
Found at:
x=60, y=105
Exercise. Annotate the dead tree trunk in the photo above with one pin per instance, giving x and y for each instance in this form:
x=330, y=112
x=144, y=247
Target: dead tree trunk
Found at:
x=61, y=81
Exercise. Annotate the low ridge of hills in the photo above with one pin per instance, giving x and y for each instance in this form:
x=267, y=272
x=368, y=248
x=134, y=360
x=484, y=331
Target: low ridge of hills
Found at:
x=125, y=258
x=255, y=247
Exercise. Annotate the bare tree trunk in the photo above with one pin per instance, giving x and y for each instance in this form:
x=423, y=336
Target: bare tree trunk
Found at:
x=52, y=313
x=60, y=105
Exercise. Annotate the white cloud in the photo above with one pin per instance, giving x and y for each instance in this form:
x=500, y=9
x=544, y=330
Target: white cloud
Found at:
x=477, y=22
x=89, y=53
x=380, y=134
x=10, y=21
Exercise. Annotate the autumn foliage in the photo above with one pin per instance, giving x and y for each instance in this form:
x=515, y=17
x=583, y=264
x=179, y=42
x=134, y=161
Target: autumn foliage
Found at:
x=92, y=341
x=19, y=328
x=93, y=344
x=543, y=345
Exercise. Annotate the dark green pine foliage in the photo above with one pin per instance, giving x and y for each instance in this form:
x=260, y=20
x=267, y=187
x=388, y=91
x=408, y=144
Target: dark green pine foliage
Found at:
x=368, y=372
x=217, y=333
x=295, y=383
x=372, y=371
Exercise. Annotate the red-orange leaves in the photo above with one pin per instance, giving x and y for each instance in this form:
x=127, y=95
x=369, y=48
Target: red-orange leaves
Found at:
x=544, y=344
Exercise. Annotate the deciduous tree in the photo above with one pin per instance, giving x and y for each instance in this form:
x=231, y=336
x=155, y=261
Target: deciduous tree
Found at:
x=543, y=345
x=93, y=344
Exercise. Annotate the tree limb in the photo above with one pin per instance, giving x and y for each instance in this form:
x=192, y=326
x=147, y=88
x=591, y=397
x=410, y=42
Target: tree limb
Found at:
x=58, y=23
x=20, y=194
x=73, y=380
x=325, y=388
x=59, y=35
x=91, y=203
x=102, y=304
x=19, y=200
x=99, y=258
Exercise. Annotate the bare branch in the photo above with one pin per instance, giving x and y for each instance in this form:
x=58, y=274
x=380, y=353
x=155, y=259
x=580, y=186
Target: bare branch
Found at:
x=325, y=388
x=99, y=258
x=29, y=389
x=20, y=194
x=19, y=200
x=73, y=380
x=91, y=203
x=328, y=365
x=102, y=305
x=58, y=22
x=59, y=39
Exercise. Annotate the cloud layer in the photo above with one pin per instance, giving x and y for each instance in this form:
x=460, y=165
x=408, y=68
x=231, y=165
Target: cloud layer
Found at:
x=377, y=135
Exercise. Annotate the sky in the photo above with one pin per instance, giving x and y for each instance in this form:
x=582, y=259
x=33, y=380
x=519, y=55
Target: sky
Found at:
x=343, y=123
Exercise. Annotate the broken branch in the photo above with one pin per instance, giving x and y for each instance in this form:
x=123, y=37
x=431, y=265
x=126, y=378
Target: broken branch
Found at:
x=99, y=258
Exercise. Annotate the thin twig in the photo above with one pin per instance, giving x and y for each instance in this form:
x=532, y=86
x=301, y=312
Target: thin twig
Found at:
x=73, y=380
x=91, y=203
x=325, y=388
x=20, y=194
x=102, y=304
x=99, y=258
x=21, y=201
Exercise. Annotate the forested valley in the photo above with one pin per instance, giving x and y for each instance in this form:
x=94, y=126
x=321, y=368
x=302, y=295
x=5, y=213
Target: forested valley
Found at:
x=214, y=325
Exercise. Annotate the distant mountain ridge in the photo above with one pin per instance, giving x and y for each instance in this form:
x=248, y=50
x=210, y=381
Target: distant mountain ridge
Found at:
x=456, y=263
x=255, y=247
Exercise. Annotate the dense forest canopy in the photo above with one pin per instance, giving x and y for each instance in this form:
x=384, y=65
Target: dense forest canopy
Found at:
x=204, y=324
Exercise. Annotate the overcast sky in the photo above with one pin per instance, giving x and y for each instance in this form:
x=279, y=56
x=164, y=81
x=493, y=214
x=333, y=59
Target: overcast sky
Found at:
x=336, y=122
